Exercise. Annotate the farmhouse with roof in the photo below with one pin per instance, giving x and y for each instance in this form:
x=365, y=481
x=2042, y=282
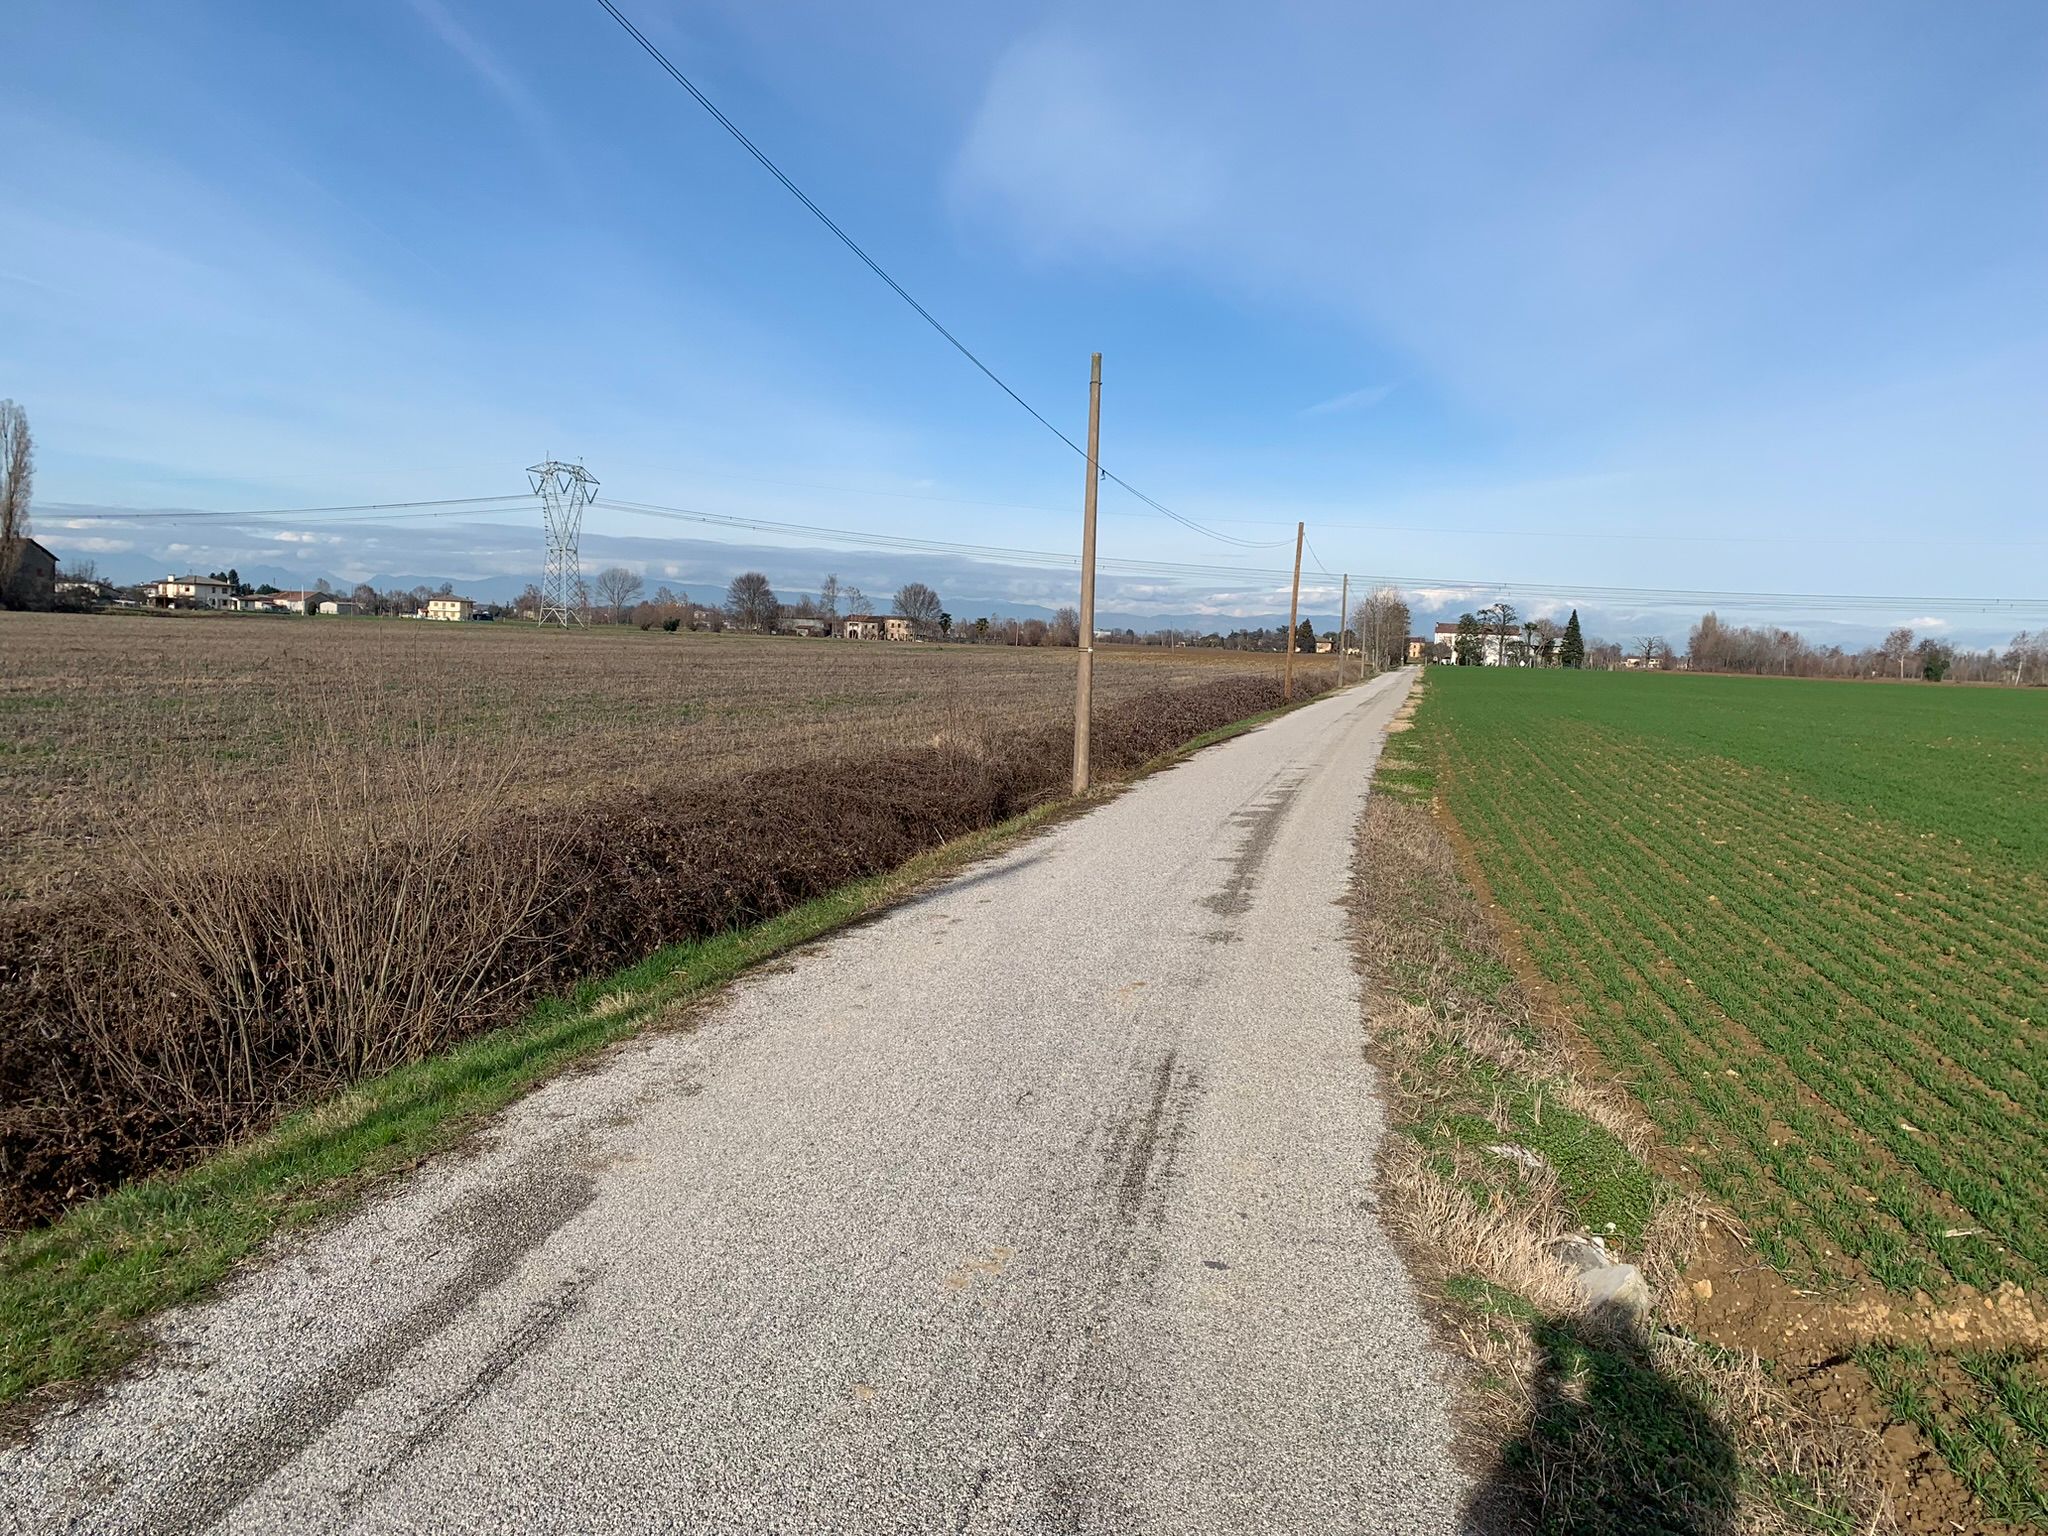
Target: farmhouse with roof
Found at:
x=189, y=592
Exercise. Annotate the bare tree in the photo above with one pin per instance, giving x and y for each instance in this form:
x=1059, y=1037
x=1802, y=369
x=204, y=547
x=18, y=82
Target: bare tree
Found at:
x=853, y=599
x=1649, y=647
x=750, y=602
x=1380, y=622
x=1500, y=619
x=1898, y=645
x=2026, y=658
x=1066, y=627
x=828, y=598
x=616, y=588
x=920, y=604
x=17, y=477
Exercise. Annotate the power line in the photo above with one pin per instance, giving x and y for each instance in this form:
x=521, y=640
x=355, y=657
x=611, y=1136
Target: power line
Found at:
x=897, y=288
x=183, y=514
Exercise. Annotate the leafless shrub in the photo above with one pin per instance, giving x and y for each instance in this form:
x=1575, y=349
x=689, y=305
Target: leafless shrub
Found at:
x=362, y=933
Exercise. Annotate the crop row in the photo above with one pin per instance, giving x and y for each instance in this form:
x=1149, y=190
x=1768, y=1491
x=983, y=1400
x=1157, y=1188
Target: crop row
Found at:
x=1753, y=1141
x=1824, y=1009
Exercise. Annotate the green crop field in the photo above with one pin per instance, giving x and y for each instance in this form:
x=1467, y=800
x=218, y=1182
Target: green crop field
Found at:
x=1807, y=924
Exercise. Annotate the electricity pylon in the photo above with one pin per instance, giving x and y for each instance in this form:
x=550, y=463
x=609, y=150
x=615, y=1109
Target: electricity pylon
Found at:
x=564, y=491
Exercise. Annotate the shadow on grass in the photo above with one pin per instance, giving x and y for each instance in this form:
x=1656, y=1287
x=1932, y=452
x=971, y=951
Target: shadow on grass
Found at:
x=1612, y=1444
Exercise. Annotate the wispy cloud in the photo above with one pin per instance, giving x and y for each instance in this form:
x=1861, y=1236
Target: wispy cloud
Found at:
x=1352, y=400
x=478, y=57
x=503, y=81
x=1060, y=126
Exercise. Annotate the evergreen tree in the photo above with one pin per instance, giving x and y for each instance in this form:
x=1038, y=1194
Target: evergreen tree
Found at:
x=1466, y=649
x=1573, y=652
x=1305, y=637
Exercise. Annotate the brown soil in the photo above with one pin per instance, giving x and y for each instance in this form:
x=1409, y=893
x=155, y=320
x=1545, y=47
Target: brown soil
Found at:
x=1736, y=1300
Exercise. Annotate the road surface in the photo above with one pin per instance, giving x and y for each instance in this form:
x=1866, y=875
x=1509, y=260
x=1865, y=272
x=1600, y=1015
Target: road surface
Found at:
x=1043, y=1203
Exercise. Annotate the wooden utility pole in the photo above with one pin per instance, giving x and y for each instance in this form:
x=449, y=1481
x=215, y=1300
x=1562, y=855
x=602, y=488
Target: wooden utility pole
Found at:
x=1343, y=626
x=1085, y=683
x=1293, y=610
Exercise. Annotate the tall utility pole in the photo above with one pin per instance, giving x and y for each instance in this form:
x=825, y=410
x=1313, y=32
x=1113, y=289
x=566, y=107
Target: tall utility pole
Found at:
x=1084, y=688
x=1293, y=609
x=1343, y=626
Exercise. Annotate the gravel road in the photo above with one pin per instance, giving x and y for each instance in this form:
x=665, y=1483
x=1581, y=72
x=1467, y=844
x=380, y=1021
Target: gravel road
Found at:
x=1043, y=1203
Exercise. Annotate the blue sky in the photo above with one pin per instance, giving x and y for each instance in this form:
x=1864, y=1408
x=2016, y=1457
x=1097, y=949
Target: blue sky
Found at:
x=1744, y=296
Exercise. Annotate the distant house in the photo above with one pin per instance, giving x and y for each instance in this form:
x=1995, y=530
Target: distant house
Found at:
x=810, y=629
x=342, y=606
x=875, y=626
x=1493, y=651
x=278, y=602
x=452, y=609
x=1418, y=647
x=189, y=592
x=33, y=583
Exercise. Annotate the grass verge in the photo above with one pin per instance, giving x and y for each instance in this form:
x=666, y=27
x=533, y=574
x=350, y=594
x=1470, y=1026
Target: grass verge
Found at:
x=1504, y=1154
x=73, y=1293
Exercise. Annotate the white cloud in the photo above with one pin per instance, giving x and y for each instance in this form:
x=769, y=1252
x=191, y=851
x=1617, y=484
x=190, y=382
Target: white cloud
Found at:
x=1928, y=622
x=1441, y=597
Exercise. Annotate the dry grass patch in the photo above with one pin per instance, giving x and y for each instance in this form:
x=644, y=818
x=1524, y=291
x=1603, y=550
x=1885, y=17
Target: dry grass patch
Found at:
x=112, y=723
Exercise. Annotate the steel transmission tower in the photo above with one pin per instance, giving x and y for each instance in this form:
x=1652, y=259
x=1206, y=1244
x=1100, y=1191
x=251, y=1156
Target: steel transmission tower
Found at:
x=564, y=491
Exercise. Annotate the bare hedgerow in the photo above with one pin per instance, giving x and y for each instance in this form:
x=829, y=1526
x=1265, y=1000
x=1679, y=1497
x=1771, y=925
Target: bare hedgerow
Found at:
x=320, y=948
x=222, y=968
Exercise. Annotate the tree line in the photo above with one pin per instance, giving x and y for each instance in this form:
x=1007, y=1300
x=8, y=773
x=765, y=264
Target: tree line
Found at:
x=750, y=603
x=1714, y=646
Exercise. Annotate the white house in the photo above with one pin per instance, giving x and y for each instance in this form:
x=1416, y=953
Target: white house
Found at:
x=1493, y=651
x=279, y=602
x=452, y=609
x=189, y=592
